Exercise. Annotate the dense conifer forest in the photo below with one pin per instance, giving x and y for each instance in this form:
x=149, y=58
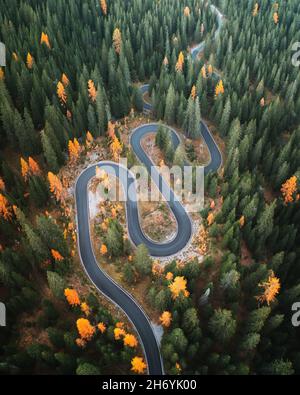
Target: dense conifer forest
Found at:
x=70, y=86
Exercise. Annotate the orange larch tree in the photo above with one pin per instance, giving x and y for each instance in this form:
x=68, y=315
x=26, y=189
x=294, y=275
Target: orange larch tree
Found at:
x=271, y=289
x=130, y=341
x=178, y=286
x=33, y=167
x=116, y=148
x=276, y=18
x=219, y=88
x=57, y=256
x=24, y=168
x=103, y=249
x=210, y=219
x=169, y=276
x=65, y=80
x=138, y=365
x=166, y=319
x=1, y=74
x=29, y=61
x=61, y=93
x=72, y=297
x=45, y=40
x=102, y=327
x=85, y=329
x=56, y=187
x=85, y=308
x=80, y=342
x=255, y=9
x=117, y=40
x=89, y=139
x=194, y=92
x=289, y=189
x=242, y=221
x=92, y=91
x=2, y=184
x=203, y=72
x=119, y=333
x=74, y=150
x=180, y=63
x=103, y=6
x=111, y=130
x=5, y=208
x=157, y=269
x=77, y=145
x=187, y=11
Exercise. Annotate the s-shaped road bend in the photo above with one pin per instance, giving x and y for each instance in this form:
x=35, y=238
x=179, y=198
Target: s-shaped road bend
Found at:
x=105, y=284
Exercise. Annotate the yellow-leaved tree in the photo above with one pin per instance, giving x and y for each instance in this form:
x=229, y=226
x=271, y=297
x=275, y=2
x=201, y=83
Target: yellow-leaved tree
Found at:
x=119, y=333
x=72, y=297
x=271, y=289
x=178, y=286
x=116, y=148
x=85, y=329
x=210, y=219
x=56, y=187
x=85, y=308
x=65, y=80
x=289, y=189
x=242, y=221
x=33, y=167
x=92, y=91
x=5, y=208
x=194, y=92
x=169, y=276
x=102, y=327
x=103, y=6
x=219, y=88
x=89, y=139
x=187, y=11
x=117, y=40
x=130, y=340
x=255, y=9
x=2, y=184
x=57, y=256
x=24, y=168
x=103, y=249
x=166, y=319
x=180, y=63
x=61, y=93
x=29, y=61
x=45, y=40
x=74, y=150
x=138, y=365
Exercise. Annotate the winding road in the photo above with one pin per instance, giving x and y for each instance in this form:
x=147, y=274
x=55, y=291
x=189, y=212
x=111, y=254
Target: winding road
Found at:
x=105, y=284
